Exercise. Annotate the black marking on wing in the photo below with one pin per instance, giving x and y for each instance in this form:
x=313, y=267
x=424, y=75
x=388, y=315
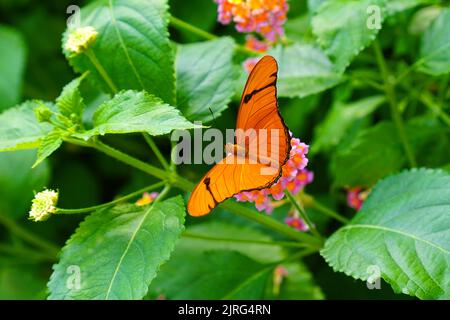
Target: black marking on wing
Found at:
x=207, y=181
x=248, y=96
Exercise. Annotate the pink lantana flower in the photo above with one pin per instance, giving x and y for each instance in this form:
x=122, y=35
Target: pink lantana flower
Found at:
x=356, y=197
x=255, y=44
x=294, y=177
x=296, y=223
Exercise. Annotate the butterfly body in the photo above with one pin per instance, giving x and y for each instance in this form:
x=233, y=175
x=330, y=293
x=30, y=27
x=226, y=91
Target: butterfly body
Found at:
x=261, y=148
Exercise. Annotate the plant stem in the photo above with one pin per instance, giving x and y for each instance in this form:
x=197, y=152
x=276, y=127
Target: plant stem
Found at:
x=250, y=241
x=93, y=58
x=303, y=214
x=173, y=179
x=443, y=89
x=111, y=203
x=163, y=194
x=155, y=150
x=182, y=25
x=28, y=236
x=430, y=104
x=125, y=158
x=311, y=202
x=389, y=87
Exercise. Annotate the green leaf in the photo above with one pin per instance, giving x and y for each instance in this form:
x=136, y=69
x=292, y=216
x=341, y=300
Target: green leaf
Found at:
x=423, y=18
x=205, y=78
x=19, y=182
x=341, y=28
x=132, y=111
x=212, y=275
x=118, y=251
x=395, y=6
x=297, y=284
x=133, y=46
x=373, y=154
x=19, y=128
x=192, y=241
x=340, y=118
x=403, y=230
x=303, y=70
x=49, y=144
x=12, y=66
x=435, y=46
x=70, y=102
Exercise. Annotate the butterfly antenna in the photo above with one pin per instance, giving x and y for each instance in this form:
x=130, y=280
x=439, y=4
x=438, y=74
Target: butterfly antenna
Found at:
x=214, y=118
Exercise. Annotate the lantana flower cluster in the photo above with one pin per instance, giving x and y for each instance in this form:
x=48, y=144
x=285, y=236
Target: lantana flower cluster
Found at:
x=265, y=17
x=43, y=205
x=294, y=177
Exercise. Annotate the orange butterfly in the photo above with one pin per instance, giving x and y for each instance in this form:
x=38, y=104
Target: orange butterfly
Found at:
x=255, y=160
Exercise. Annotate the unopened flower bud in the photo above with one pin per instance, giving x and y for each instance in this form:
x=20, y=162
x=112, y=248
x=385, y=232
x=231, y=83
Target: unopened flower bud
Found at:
x=43, y=205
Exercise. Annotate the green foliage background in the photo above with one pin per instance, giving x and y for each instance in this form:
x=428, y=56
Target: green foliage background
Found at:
x=372, y=104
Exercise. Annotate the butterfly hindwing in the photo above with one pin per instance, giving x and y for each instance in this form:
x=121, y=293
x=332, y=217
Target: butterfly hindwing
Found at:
x=224, y=180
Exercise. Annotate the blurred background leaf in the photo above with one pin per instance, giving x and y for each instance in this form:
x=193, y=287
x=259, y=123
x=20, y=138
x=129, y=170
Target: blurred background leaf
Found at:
x=435, y=49
x=12, y=66
x=373, y=154
x=342, y=115
x=19, y=182
x=303, y=70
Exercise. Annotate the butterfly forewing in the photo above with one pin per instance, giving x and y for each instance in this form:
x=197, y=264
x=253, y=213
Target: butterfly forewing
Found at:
x=259, y=112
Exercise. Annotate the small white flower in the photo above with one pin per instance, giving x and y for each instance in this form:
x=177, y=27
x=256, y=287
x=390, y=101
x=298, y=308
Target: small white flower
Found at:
x=80, y=39
x=43, y=205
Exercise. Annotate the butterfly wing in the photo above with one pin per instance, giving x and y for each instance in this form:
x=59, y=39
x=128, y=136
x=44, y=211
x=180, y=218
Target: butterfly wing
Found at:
x=258, y=110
